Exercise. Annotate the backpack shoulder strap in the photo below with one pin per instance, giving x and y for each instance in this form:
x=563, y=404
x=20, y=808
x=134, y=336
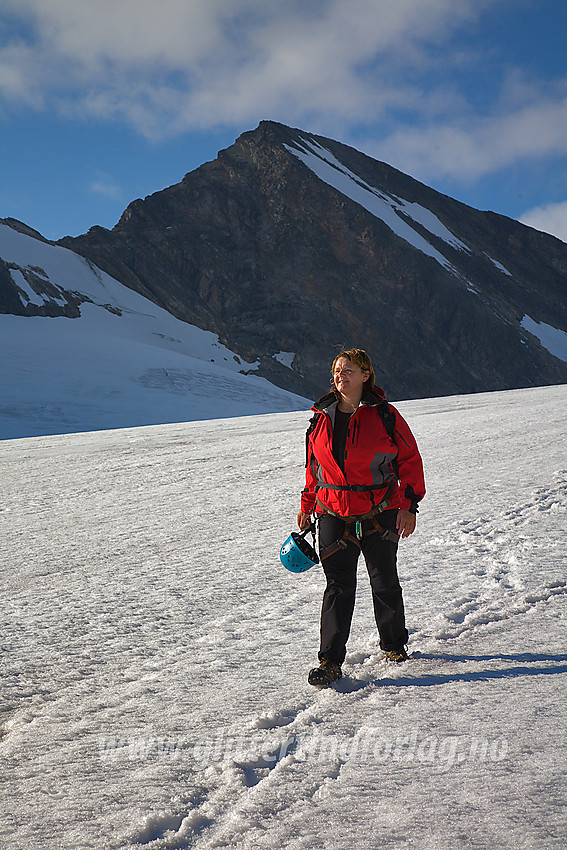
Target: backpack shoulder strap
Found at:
x=388, y=417
x=310, y=428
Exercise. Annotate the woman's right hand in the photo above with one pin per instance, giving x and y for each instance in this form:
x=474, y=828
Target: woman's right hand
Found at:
x=303, y=520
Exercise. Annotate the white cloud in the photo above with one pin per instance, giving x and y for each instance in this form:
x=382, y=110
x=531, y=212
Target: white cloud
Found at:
x=551, y=218
x=176, y=65
x=104, y=185
x=326, y=65
x=473, y=147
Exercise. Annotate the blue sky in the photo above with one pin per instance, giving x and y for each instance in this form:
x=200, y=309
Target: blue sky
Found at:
x=105, y=101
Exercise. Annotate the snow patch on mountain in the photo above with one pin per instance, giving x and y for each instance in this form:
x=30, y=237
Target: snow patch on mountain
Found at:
x=26, y=293
x=286, y=358
x=554, y=339
x=499, y=266
x=393, y=211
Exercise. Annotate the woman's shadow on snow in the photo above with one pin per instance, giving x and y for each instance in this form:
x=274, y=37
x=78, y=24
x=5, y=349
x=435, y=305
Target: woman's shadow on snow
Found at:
x=522, y=664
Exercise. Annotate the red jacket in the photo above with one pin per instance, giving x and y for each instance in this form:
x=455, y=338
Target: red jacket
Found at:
x=368, y=456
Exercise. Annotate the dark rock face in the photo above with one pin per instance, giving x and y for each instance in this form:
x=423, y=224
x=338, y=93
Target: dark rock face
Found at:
x=257, y=248
x=36, y=295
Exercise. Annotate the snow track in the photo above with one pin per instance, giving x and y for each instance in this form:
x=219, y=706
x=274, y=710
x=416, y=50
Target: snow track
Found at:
x=155, y=654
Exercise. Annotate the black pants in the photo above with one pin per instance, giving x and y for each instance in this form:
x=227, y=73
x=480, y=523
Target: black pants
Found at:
x=339, y=596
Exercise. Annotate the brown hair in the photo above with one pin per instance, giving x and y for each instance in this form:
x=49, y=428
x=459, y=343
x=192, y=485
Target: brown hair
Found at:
x=361, y=359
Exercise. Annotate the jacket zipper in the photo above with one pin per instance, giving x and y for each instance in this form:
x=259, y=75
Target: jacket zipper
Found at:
x=351, y=426
x=354, y=431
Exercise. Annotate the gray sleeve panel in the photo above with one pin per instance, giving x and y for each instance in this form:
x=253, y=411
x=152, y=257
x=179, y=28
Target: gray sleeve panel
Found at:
x=381, y=468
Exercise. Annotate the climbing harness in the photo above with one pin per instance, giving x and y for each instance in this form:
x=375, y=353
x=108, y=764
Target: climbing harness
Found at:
x=357, y=521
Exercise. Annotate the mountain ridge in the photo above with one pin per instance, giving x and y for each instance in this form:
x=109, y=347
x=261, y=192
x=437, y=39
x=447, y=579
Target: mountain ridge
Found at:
x=292, y=244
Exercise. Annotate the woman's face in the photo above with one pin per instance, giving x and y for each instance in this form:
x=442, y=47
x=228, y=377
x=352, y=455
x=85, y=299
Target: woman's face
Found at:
x=348, y=378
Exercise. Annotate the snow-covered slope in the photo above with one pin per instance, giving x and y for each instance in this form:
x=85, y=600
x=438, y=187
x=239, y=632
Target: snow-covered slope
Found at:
x=124, y=362
x=154, y=651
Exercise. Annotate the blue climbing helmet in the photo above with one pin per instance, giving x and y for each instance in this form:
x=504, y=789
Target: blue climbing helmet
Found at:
x=297, y=555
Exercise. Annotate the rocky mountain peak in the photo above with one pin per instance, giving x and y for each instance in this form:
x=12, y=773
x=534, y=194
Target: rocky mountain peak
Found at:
x=290, y=245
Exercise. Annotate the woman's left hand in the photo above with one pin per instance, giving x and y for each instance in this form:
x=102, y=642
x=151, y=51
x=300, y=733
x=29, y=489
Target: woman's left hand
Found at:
x=405, y=523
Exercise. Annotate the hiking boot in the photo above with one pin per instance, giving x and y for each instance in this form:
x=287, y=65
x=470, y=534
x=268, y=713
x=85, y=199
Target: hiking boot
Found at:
x=325, y=674
x=396, y=655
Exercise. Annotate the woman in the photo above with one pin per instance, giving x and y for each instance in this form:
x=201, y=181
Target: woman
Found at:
x=364, y=479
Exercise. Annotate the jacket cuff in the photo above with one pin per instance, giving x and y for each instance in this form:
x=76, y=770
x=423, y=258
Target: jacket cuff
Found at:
x=412, y=499
x=307, y=502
